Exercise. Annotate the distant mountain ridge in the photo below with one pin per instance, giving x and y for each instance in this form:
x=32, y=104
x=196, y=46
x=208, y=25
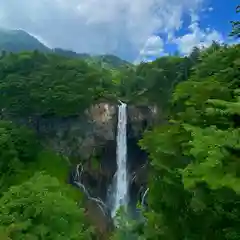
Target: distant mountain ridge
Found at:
x=19, y=40
x=107, y=61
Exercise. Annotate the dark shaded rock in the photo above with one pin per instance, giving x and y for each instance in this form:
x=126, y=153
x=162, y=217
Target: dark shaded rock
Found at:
x=141, y=118
x=104, y=224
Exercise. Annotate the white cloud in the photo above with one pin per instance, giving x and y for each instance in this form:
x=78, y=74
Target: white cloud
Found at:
x=197, y=37
x=210, y=9
x=118, y=27
x=154, y=47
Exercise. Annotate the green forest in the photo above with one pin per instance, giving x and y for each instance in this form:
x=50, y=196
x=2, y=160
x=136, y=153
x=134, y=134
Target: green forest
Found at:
x=194, y=176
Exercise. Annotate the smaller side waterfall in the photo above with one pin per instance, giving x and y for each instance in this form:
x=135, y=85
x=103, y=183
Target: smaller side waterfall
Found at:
x=78, y=183
x=120, y=185
x=144, y=196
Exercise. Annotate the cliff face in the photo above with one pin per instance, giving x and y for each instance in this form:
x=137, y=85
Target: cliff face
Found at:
x=84, y=136
x=90, y=139
x=79, y=137
x=140, y=118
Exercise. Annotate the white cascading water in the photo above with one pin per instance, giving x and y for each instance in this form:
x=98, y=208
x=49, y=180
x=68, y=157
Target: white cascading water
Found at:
x=120, y=191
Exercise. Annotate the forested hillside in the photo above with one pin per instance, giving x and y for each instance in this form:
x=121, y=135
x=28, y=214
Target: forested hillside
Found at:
x=16, y=41
x=194, y=156
x=36, y=84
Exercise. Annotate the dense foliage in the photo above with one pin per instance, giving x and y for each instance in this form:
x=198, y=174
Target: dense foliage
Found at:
x=18, y=147
x=153, y=83
x=41, y=209
x=195, y=179
x=35, y=84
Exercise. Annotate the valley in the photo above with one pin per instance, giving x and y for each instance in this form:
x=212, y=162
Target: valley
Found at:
x=88, y=141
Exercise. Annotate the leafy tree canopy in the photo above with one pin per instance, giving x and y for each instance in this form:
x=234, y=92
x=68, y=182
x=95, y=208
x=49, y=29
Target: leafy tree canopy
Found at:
x=195, y=178
x=35, y=84
x=41, y=209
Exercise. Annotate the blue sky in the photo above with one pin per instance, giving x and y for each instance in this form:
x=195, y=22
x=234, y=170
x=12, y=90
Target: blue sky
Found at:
x=135, y=30
x=213, y=15
x=223, y=12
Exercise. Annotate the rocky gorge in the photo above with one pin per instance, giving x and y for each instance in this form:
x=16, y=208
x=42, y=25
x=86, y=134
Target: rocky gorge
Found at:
x=75, y=147
x=89, y=140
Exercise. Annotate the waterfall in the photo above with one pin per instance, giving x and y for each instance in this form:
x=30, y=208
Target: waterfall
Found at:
x=78, y=183
x=144, y=196
x=120, y=190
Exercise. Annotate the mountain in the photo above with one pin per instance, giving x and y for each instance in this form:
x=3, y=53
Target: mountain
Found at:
x=19, y=40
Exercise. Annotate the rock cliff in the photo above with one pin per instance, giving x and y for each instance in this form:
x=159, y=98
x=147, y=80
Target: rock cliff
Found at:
x=90, y=139
x=82, y=136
